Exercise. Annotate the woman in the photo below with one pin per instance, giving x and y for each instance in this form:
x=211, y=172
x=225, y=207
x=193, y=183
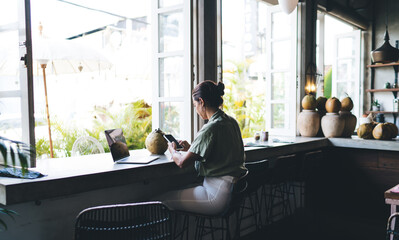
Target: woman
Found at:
x=217, y=151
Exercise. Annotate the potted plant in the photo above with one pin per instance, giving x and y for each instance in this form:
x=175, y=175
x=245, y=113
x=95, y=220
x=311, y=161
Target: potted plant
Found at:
x=11, y=151
x=375, y=105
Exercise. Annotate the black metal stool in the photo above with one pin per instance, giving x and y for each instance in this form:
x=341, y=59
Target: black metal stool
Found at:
x=251, y=207
x=205, y=224
x=277, y=190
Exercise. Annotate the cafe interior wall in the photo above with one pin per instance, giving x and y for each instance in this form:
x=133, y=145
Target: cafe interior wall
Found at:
x=386, y=74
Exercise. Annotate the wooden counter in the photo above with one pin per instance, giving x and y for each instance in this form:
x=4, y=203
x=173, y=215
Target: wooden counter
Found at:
x=67, y=176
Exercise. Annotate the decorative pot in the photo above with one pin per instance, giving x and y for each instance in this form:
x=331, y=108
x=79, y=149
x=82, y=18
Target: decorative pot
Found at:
x=386, y=53
x=332, y=125
x=308, y=123
x=350, y=123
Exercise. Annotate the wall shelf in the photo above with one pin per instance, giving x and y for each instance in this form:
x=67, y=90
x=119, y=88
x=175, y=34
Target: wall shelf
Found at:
x=394, y=91
x=381, y=112
x=383, y=65
x=383, y=90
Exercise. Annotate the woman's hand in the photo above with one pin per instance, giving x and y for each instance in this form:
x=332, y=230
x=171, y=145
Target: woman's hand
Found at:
x=180, y=159
x=172, y=147
x=185, y=145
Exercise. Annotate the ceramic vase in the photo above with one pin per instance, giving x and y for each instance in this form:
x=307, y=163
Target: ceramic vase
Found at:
x=350, y=123
x=332, y=125
x=308, y=123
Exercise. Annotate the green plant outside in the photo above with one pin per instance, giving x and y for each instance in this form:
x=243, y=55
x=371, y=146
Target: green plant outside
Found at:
x=328, y=84
x=134, y=118
x=12, y=151
x=240, y=102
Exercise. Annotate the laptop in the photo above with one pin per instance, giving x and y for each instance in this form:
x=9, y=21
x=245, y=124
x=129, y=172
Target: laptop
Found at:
x=120, y=152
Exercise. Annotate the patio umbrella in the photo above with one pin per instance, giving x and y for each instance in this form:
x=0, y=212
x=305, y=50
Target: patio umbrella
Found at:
x=66, y=57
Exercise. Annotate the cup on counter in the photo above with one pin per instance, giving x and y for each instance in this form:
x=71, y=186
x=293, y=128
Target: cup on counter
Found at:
x=264, y=136
x=257, y=136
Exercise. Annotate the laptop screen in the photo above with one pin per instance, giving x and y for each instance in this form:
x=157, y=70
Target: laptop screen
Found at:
x=117, y=144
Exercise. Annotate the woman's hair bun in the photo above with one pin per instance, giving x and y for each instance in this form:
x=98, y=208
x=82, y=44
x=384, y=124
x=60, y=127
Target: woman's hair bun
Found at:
x=220, y=88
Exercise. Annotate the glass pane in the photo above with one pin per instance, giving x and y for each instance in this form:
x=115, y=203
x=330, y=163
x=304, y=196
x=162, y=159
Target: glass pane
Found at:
x=10, y=118
x=278, y=112
x=345, y=89
x=170, y=117
x=171, y=32
x=280, y=24
x=9, y=60
x=108, y=85
x=281, y=52
x=171, y=77
x=345, y=70
x=244, y=63
x=279, y=81
x=10, y=107
x=345, y=47
x=168, y=3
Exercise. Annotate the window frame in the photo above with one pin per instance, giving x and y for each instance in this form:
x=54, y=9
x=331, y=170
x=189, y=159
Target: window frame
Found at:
x=25, y=93
x=186, y=53
x=290, y=100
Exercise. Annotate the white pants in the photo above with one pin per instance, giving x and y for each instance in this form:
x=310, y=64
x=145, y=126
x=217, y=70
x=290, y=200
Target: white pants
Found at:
x=210, y=198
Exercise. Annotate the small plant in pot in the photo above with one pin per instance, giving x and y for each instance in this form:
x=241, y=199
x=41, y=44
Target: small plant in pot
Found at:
x=375, y=105
x=13, y=151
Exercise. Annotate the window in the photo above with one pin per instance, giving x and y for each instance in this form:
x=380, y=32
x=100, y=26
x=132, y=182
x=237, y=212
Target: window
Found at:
x=338, y=58
x=172, y=85
x=15, y=110
x=259, y=59
x=98, y=59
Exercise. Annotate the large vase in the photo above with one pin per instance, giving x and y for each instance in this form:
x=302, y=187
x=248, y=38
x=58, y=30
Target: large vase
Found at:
x=308, y=123
x=332, y=125
x=350, y=123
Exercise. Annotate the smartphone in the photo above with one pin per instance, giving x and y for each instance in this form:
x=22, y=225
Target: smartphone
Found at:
x=170, y=139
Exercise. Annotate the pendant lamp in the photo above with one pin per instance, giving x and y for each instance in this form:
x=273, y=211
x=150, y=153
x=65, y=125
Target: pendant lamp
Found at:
x=386, y=53
x=287, y=6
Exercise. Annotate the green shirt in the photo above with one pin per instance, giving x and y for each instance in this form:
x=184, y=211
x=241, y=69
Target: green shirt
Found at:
x=220, y=145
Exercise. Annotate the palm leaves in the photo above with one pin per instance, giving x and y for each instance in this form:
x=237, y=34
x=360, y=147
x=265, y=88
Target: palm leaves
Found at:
x=8, y=213
x=17, y=152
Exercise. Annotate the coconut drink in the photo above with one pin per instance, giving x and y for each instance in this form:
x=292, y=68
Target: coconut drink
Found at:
x=155, y=142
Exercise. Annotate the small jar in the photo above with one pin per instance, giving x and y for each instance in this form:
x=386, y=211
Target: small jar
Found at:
x=396, y=105
x=264, y=136
x=257, y=136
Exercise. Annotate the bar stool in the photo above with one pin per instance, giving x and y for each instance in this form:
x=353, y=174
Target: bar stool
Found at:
x=251, y=208
x=307, y=165
x=205, y=224
x=277, y=190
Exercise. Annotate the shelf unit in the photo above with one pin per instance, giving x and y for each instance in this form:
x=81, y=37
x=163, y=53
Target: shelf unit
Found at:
x=393, y=90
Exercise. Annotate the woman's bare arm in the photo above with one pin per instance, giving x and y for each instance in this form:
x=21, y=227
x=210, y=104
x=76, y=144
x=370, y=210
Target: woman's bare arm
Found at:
x=182, y=160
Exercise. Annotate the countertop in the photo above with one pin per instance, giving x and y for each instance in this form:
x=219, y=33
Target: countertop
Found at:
x=66, y=176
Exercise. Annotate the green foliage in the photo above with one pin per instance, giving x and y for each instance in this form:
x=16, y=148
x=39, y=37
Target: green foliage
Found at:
x=134, y=118
x=241, y=101
x=11, y=151
x=328, y=84
x=8, y=213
